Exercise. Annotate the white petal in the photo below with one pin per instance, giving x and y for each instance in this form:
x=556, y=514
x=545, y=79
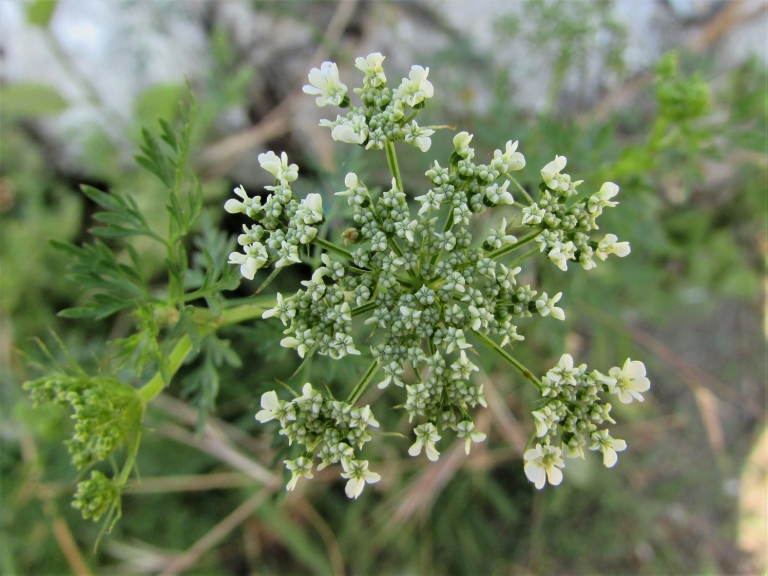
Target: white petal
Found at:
x=609, y=458
x=555, y=475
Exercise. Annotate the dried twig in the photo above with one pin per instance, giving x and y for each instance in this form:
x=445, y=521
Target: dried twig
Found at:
x=59, y=526
x=220, y=531
x=182, y=412
x=220, y=157
x=221, y=449
x=326, y=533
x=508, y=425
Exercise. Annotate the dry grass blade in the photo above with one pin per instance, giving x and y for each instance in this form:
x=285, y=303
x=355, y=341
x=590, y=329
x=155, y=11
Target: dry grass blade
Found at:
x=692, y=376
x=220, y=531
x=219, y=448
x=423, y=491
x=59, y=526
x=182, y=412
x=326, y=533
x=707, y=403
x=220, y=157
x=508, y=425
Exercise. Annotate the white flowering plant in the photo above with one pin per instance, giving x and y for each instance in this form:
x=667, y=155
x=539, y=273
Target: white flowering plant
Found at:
x=428, y=292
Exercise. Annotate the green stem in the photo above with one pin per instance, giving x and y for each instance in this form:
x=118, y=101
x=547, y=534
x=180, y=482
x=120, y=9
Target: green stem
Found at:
x=519, y=187
x=393, y=165
x=330, y=247
x=511, y=247
x=151, y=389
x=269, y=279
x=208, y=323
x=527, y=374
x=363, y=384
x=128, y=466
x=364, y=308
x=523, y=257
x=447, y=225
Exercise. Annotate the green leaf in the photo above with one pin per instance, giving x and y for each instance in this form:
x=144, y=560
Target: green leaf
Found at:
x=30, y=100
x=40, y=12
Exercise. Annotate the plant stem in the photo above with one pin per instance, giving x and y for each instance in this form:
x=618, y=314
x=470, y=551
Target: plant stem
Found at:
x=527, y=374
x=364, y=308
x=519, y=187
x=156, y=385
x=523, y=257
x=208, y=323
x=330, y=247
x=507, y=249
x=363, y=384
x=393, y=165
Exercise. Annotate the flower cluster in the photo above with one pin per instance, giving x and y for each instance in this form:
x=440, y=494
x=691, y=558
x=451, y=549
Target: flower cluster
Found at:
x=427, y=284
x=331, y=428
x=95, y=496
x=104, y=412
x=571, y=411
x=284, y=223
x=383, y=115
x=565, y=228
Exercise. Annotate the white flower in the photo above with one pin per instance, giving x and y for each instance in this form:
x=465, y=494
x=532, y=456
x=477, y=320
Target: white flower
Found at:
x=630, y=381
x=325, y=83
x=303, y=342
x=254, y=258
x=249, y=206
x=351, y=131
x=508, y=161
x=601, y=440
x=288, y=254
x=545, y=420
x=302, y=466
x=278, y=166
x=418, y=136
x=284, y=310
x=313, y=205
x=426, y=436
x=551, y=171
x=561, y=253
x=416, y=88
x=372, y=66
x=274, y=408
x=463, y=367
x=609, y=245
x=602, y=199
x=358, y=474
x=533, y=214
x=311, y=400
x=461, y=143
x=404, y=229
x=466, y=429
x=479, y=317
x=343, y=345
x=543, y=463
x=498, y=194
x=546, y=306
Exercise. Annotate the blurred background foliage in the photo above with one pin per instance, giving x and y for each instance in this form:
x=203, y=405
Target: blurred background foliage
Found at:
x=684, y=137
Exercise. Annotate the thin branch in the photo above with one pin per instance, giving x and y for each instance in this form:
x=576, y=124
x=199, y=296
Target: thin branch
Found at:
x=511, y=360
x=221, y=449
x=326, y=533
x=221, y=530
x=59, y=526
x=220, y=157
